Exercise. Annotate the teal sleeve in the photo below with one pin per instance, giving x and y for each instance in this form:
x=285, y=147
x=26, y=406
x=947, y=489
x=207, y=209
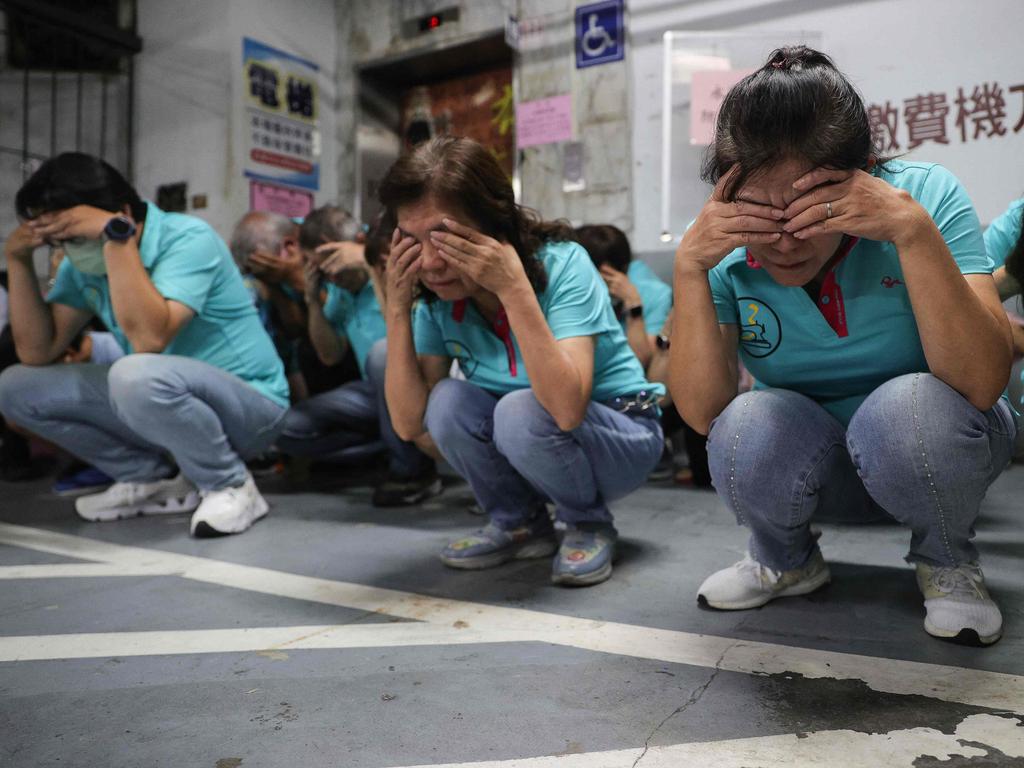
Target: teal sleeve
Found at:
x=723, y=294
x=67, y=288
x=576, y=302
x=946, y=200
x=427, y=336
x=336, y=309
x=187, y=268
x=657, y=300
x=1004, y=232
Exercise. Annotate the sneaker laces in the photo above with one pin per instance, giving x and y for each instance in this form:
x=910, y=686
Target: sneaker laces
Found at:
x=958, y=581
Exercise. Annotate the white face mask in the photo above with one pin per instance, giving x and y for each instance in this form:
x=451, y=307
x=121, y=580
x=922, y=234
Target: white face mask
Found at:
x=86, y=256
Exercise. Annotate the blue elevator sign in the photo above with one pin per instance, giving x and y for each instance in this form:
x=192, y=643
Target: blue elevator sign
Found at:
x=600, y=33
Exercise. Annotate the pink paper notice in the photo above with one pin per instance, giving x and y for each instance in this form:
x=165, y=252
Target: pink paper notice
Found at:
x=544, y=121
x=294, y=203
x=707, y=91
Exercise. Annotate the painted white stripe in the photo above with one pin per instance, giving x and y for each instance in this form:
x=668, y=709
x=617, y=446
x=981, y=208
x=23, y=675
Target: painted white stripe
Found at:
x=968, y=686
x=258, y=639
x=824, y=749
x=77, y=571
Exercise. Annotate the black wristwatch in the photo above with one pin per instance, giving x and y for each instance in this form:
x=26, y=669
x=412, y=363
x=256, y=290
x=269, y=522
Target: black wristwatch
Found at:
x=636, y=312
x=119, y=229
x=661, y=341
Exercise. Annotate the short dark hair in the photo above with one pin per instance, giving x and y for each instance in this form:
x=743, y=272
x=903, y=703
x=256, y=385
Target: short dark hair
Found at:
x=75, y=178
x=461, y=172
x=327, y=224
x=378, y=239
x=798, y=105
x=606, y=244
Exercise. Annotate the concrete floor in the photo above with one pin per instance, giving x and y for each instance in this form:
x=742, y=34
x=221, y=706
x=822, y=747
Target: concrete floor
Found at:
x=330, y=635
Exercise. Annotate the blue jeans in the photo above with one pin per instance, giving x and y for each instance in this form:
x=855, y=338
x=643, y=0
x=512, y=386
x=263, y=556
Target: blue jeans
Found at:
x=515, y=457
x=126, y=418
x=332, y=425
x=915, y=451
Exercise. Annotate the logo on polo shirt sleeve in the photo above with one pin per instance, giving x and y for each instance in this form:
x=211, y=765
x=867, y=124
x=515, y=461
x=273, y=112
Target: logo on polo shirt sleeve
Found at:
x=760, y=328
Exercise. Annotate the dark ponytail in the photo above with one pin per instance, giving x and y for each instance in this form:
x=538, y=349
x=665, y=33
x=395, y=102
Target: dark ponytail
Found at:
x=798, y=105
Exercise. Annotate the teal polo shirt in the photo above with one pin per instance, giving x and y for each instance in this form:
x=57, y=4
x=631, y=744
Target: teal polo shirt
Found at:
x=356, y=317
x=785, y=340
x=655, y=294
x=1004, y=232
x=187, y=262
x=575, y=303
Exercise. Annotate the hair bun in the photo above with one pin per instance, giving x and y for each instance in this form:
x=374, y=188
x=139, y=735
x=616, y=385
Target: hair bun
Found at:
x=797, y=57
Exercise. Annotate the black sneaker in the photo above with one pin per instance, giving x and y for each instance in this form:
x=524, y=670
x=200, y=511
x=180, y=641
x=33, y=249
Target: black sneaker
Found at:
x=397, y=492
x=665, y=467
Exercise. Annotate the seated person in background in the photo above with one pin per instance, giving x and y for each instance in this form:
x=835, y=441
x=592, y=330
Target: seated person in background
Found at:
x=344, y=283
x=265, y=246
x=201, y=383
x=554, y=406
x=1005, y=246
x=641, y=300
x=643, y=303
x=860, y=297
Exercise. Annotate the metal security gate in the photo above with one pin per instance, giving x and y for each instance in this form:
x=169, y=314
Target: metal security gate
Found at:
x=66, y=83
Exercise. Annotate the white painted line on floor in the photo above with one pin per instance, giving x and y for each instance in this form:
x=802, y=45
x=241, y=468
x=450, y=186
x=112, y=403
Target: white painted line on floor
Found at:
x=967, y=686
x=77, y=571
x=259, y=639
x=823, y=749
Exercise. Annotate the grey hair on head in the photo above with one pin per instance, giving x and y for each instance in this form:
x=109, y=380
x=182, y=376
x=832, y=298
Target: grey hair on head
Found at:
x=261, y=231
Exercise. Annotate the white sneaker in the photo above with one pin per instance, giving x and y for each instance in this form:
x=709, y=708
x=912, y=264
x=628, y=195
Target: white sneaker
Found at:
x=958, y=605
x=121, y=500
x=749, y=584
x=229, y=510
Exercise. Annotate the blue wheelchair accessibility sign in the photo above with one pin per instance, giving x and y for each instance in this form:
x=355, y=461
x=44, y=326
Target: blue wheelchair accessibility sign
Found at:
x=600, y=33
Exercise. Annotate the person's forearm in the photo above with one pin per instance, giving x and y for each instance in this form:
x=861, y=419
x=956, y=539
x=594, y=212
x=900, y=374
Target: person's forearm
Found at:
x=1006, y=284
x=554, y=378
x=639, y=341
x=701, y=372
x=290, y=313
x=405, y=388
x=30, y=317
x=141, y=312
x=329, y=346
x=966, y=345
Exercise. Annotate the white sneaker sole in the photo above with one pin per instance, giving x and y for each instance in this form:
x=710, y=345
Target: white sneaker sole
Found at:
x=202, y=528
x=819, y=580
x=173, y=506
x=963, y=636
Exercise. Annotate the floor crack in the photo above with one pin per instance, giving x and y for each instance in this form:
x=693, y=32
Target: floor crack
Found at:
x=693, y=699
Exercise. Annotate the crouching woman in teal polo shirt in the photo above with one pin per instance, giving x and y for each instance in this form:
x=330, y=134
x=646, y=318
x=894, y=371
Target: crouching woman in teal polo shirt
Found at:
x=201, y=388
x=859, y=295
x=554, y=405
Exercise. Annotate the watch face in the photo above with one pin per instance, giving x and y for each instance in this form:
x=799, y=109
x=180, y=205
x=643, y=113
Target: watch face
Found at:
x=662, y=341
x=119, y=228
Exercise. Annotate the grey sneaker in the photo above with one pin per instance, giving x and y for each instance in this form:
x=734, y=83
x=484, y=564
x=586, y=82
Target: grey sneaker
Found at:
x=749, y=584
x=491, y=545
x=957, y=604
x=585, y=556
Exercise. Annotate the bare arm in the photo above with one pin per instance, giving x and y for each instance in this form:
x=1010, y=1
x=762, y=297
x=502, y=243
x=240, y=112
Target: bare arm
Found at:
x=561, y=372
x=702, y=370
x=41, y=331
x=962, y=325
x=1006, y=284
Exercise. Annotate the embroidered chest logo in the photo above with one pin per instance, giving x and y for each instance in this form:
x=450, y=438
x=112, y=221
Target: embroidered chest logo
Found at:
x=890, y=282
x=760, y=328
x=459, y=351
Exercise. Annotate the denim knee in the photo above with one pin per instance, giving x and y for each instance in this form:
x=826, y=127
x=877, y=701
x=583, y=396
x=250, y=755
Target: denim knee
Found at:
x=376, y=361
x=900, y=425
x=445, y=418
x=138, y=382
x=519, y=422
x=22, y=392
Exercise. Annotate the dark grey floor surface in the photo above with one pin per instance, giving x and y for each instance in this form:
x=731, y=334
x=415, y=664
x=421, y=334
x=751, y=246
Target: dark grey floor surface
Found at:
x=405, y=706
